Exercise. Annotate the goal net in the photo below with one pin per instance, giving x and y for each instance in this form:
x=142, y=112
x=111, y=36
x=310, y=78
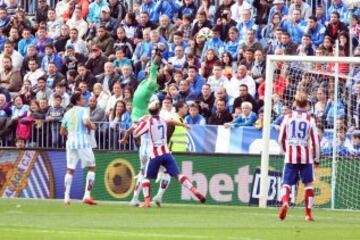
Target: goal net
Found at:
x=333, y=88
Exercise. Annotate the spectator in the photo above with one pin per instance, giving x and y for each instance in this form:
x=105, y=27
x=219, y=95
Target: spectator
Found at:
x=209, y=9
x=96, y=61
x=42, y=91
x=250, y=42
x=97, y=113
x=34, y=72
x=237, y=9
x=295, y=26
x=51, y=56
x=194, y=117
x=202, y=22
x=71, y=59
x=53, y=24
x=316, y=31
x=246, y=118
x=119, y=118
x=108, y=22
x=95, y=11
x=78, y=22
x=60, y=42
x=16, y=58
x=121, y=41
x=287, y=45
x=217, y=79
x=103, y=41
x=53, y=77
x=167, y=111
x=225, y=22
x=195, y=80
x=60, y=91
x=116, y=96
x=78, y=44
x=54, y=116
x=188, y=8
x=121, y=59
x=42, y=11
x=167, y=7
x=186, y=27
x=185, y=94
x=320, y=105
x=221, y=93
x=85, y=75
x=26, y=92
x=246, y=23
x=306, y=48
x=85, y=92
x=118, y=9
x=10, y=77
x=339, y=7
x=304, y=8
x=221, y=116
x=244, y=96
x=108, y=78
x=335, y=26
x=4, y=20
x=211, y=58
x=178, y=61
x=130, y=25
x=41, y=40
x=215, y=43
x=101, y=96
x=206, y=100
x=25, y=42
x=30, y=54
x=232, y=87
x=166, y=29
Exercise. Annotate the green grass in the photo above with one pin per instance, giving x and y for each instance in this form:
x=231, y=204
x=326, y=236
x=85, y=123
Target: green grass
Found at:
x=49, y=219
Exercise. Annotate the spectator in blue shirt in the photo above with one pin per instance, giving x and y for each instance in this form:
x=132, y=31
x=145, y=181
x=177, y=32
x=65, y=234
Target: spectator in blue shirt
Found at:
x=26, y=41
x=167, y=7
x=279, y=7
x=196, y=80
x=194, y=117
x=246, y=118
x=339, y=7
x=246, y=24
x=148, y=6
x=95, y=11
x=51, y=56
x=316, y=31
x=295, y=26
x=215, y=42
x=4, y=19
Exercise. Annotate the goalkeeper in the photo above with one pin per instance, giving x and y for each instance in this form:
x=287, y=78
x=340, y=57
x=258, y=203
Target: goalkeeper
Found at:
x=141, y=100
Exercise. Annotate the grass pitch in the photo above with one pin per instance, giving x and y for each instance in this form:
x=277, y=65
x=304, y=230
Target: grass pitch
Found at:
x=49, y=219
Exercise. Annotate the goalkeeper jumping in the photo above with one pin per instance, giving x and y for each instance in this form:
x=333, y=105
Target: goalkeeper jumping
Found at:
x=144, y=92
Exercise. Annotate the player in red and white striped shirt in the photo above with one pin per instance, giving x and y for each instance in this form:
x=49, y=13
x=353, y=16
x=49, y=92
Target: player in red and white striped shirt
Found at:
x=160, y=154
x=300, y=142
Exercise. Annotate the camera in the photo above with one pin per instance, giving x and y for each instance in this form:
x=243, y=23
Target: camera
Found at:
x=224, y=15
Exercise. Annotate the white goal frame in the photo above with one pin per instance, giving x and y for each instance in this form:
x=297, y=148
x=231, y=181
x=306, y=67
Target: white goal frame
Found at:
x=270, y=67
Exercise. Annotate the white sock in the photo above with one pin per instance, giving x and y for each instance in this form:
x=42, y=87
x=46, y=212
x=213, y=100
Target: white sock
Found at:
x=164, y=184
x=138, y=187
x=67, y=184
x=90, y=179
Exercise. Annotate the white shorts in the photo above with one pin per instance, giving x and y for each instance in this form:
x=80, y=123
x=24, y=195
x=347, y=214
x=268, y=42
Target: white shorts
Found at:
x=86, y=155
x=144, y=154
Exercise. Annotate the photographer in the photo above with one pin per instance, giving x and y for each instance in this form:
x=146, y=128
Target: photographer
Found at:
x=225, y=22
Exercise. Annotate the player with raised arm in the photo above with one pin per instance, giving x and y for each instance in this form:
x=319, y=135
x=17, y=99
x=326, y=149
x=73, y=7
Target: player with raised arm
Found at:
x=141, y=100
x=156, y=128
x=299, y=141
x=76, y=125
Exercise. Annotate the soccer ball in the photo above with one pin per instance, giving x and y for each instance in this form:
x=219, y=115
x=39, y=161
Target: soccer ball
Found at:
x=205, y=34
x=119, y=178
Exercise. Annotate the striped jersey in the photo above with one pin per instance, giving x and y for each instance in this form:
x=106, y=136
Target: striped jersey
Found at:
x=78, y=136
x=299, y=138
x=157, y=129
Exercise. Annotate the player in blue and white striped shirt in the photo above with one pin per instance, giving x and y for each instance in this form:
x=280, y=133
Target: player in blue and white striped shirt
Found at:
x=76, y=125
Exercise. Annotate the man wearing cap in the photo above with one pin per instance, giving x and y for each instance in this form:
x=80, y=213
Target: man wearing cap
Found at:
x=279, y=7
x=109, y=22
x=96, y=60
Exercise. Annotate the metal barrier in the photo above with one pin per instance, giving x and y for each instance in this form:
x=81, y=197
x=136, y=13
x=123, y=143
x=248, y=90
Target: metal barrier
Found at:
x=46, y=135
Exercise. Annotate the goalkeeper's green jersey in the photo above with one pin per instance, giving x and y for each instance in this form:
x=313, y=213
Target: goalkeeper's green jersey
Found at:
x=143, y=94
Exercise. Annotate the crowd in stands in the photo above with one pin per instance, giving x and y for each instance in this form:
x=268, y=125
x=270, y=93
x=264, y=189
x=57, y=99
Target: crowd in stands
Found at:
x=104, y=49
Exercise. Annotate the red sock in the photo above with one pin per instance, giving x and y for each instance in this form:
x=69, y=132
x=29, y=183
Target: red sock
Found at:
x=146, y=189
x=309, y=200
x=184, y=180
x=285, y=194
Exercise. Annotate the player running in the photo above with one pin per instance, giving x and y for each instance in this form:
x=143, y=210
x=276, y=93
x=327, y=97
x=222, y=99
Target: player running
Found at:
x=300, y=142
x=160, y=154
x=76, y=125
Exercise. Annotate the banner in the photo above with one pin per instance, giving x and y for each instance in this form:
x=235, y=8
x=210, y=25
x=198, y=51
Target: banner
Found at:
x=223, y=179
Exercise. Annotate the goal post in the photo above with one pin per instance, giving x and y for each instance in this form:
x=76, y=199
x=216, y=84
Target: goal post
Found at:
x=306, y=64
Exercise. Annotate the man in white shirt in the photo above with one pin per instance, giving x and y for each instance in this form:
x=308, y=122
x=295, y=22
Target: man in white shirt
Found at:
x=237, y=8
x=179, y=59
x=217, y=79
x=53, y=24
x=305, y=9
x=241, y=77
x=78, y=43
x=78, y=22
x=34, y=73
x=16, y=58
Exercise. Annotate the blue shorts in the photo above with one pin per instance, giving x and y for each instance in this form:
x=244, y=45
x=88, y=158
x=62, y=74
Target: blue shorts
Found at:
x=292, y=171
x=167, y=161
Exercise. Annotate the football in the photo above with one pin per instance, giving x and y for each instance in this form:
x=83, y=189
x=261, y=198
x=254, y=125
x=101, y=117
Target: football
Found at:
x=205, y=34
